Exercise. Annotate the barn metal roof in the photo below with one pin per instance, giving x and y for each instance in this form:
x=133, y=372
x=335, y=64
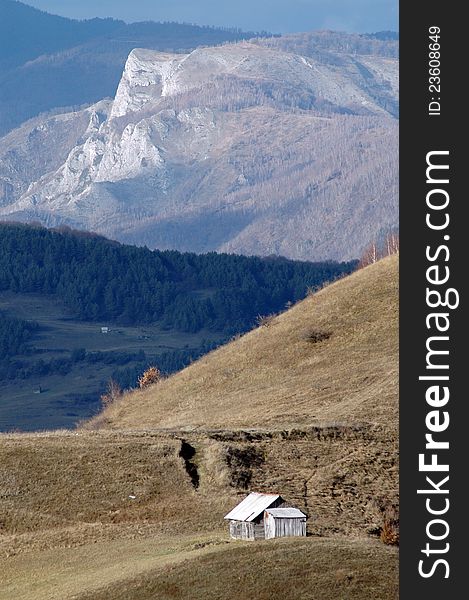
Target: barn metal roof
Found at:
x=251, y=507
x=285, y=513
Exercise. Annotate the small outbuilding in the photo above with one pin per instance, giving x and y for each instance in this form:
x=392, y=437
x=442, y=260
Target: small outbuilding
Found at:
x=265, y=516
x=284, y=522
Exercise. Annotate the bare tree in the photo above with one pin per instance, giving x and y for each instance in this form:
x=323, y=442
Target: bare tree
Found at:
x=112, y=393
x=392, y=244
x=369, y=256
x=373, y=252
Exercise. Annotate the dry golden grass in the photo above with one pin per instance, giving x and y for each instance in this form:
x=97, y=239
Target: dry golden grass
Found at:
x=68, y=489
x=70, y=530
x=204, y=567
x=308, y=569
x=65, y=573
x=287, y=374
x=65, y=490
x=344, y=483
x=306, y=407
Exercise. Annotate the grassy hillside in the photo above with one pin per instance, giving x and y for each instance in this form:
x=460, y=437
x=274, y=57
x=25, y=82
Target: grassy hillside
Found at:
x=286, y=569
x=306, y=404
x=205, y=568
x=306, y=569
x=67, y=482
x=332, y=358
x=113, y=515
x=136, y=511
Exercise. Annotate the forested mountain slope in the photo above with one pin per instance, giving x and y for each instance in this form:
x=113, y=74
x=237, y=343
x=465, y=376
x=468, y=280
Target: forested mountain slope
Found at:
x=58, y=289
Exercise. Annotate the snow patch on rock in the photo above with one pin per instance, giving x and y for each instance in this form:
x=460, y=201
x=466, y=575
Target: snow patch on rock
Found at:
x=145, y=78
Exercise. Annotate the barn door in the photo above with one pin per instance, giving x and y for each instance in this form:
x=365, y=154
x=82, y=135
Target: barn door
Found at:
x=269, y=526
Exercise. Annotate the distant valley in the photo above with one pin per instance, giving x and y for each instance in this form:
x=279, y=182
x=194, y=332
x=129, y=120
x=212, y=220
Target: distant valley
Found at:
x=77, y=310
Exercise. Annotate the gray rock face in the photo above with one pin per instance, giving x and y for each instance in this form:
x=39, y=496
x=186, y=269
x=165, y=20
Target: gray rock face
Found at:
x=249, y=147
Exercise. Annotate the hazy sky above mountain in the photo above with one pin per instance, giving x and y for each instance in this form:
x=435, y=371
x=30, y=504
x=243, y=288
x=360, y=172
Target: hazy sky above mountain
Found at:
x=271, y=15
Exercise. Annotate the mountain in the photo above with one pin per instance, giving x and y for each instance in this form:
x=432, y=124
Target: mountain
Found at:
x=274, y=146
x=59, y=62
x=27, y=33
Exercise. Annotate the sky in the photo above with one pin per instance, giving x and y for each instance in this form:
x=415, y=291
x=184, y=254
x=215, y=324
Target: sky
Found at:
x=276, y=16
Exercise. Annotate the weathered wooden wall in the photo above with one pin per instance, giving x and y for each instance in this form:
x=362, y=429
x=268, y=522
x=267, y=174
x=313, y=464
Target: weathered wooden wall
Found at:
x=284, y=527
x=241, y=530
x=271, y=528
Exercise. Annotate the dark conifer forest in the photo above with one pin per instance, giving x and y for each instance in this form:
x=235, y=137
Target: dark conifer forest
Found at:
x=189, y=304
x=99, y=279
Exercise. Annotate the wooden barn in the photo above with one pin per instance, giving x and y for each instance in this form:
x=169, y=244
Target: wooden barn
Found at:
x=265, y=516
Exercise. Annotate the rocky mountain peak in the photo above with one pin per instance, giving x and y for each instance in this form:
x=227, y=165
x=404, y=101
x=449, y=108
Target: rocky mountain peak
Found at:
x=242, y=147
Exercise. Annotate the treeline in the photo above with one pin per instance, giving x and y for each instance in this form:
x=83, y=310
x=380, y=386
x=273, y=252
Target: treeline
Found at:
x=100, y=280
x=14, y=368
x=167, y=362
x=233, y=93
x=128, y=365
x=14, y=336
x=317, y=43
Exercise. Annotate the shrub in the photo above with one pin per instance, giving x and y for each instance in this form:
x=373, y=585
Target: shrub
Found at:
x=265, y=320
x=390, y=530
x=150, y=376
x=316, y=336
